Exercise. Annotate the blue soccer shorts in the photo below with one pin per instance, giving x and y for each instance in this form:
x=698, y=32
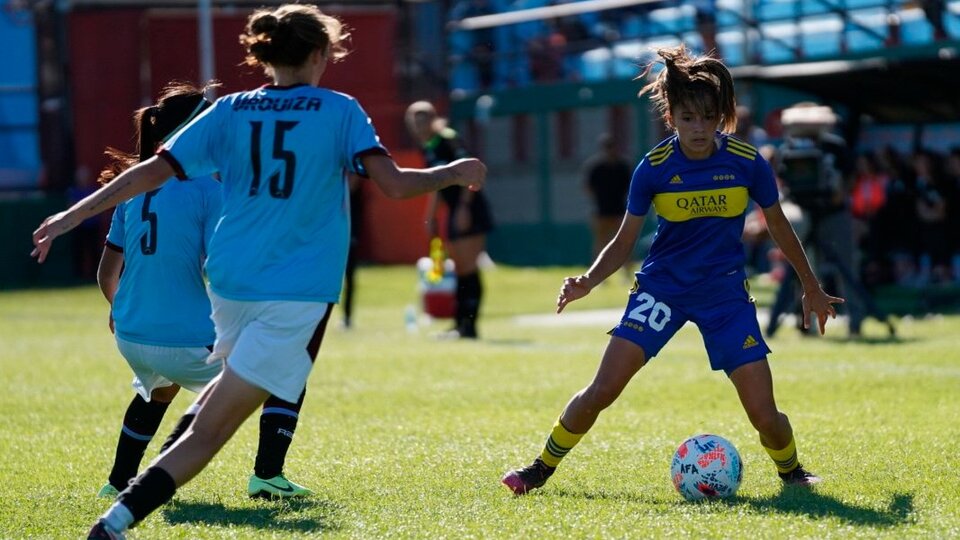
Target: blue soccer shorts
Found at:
x=727, y=321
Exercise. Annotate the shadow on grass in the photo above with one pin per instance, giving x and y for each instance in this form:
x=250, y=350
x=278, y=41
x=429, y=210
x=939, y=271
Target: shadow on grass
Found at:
x=794, y=500
x=807, y=502
x=306, y=515
x=620, y=496
x=507, y=342
x=872, y=340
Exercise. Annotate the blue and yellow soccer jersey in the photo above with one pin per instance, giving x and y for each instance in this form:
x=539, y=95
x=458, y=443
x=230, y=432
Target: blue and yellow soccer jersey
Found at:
x=281, y=153
x=701, y=206
x=162, y=298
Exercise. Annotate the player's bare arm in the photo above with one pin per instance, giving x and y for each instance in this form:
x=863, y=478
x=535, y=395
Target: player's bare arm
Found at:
x=108, y=273
x=399, y=183
x=138, y=179
x=814, y=298
x=610, y=259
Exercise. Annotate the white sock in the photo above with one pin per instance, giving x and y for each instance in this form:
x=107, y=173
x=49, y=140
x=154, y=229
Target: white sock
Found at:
x=118, y=517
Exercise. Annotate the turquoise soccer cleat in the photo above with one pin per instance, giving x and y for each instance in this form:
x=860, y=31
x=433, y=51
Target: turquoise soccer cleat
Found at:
x=276, y=487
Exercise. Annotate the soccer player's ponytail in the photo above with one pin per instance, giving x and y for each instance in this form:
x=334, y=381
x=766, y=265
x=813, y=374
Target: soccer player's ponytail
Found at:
x=179, y=103
x=286, y=36
x=699, y=82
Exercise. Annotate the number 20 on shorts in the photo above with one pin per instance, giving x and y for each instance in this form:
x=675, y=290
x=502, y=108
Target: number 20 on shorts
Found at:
x=649, y=311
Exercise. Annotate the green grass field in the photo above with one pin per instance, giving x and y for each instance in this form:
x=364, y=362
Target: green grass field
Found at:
x=406, y=436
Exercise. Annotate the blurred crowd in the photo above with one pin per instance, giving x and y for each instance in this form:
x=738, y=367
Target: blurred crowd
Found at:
x=905, y=211
x=549, y=49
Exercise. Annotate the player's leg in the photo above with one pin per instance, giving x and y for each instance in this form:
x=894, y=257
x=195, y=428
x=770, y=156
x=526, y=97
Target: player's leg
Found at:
x=230, y=402
x=278, y=423
x=648, y=322
x=349, y=284
x=140, y=424
x=735, y=345
x=621, y=360
x=754, y=385
x=465, y=250
x=155, y=390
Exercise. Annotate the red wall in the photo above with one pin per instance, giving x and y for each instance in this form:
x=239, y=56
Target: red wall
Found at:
x=121, y=58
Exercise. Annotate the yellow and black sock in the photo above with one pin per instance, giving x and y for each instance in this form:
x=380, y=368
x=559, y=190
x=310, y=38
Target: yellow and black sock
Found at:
x=558, y=444
x=786, y=458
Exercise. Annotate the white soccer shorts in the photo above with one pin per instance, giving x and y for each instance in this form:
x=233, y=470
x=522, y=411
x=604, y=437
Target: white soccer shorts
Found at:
x=265, y=343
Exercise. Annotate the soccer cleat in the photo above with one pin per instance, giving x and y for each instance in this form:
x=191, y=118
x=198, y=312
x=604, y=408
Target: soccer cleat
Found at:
x=520, y=481
x=276, y=487
x=800, y=477
x=108, y=492
x=100, y=531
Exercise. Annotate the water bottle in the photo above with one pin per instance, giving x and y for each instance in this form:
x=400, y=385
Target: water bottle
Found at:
x=410, y=319
x=437, y=256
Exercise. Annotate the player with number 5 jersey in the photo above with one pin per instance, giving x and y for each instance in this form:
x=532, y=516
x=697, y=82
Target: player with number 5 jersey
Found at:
x=277, y=257
x=700, y=181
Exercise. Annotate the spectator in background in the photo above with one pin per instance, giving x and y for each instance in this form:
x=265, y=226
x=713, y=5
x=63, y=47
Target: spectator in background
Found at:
x=867, y=200
x=546, y=53
x=934, y=11
x=931, y=203
x=705, y=16
x=747, y=131
x=809, y=127
x=606, y=178
x=897, y=219
x=88, y=237
x=482, y=52
x=354, y=182
x=953, y=210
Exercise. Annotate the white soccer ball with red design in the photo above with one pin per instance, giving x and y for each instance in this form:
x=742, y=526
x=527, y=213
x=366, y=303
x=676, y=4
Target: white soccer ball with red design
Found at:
x=706, y=466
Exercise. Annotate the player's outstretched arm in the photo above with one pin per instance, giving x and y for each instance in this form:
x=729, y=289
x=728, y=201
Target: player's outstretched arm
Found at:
x=610, y=259
x=137, y=179
x=814, y=298
x=400, y=183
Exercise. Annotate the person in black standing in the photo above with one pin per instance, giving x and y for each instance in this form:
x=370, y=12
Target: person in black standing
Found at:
x=356, y=221
x=607, y=179
x=468, y=220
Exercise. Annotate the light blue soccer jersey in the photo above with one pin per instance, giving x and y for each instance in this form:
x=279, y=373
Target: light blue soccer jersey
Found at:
x=162, y=298
x=701, y=207
x=281, y=153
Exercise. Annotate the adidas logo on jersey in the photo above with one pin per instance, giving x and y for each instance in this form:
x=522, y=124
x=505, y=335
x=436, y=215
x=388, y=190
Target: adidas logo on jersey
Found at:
x=676, y=179
x=749, y=342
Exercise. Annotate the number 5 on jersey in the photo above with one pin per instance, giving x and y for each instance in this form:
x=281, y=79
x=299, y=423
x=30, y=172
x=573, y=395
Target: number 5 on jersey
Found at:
x=289, y=159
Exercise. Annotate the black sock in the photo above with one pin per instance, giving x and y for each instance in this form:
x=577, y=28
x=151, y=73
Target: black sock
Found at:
x=278, y=422
x=140, y=424
x=469, y=294
x=149, y=491
x=182, y=426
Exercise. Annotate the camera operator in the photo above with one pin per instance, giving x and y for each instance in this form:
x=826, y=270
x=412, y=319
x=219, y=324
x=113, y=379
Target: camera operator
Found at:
x=816, y=167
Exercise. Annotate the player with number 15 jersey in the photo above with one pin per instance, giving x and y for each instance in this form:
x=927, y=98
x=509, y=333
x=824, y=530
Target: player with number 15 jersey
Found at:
x=281, y=152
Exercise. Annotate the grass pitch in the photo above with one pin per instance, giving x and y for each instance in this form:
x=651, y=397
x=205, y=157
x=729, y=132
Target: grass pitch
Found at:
x=406, y=436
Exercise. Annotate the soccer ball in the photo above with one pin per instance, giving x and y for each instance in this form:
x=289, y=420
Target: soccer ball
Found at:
x=706, y=466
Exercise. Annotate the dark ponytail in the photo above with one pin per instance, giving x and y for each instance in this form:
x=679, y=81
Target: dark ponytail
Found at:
x=286, y=36
x=179, y=103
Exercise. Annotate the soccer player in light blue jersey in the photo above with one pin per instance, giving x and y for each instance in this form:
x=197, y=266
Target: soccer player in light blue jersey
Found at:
x=276, y=260
x=700, y=181
x=151, y=273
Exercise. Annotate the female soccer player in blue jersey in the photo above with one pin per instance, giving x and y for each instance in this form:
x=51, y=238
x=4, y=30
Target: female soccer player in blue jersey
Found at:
x=151, y=273
x=276, y=259
x=700, y=181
